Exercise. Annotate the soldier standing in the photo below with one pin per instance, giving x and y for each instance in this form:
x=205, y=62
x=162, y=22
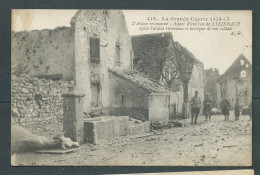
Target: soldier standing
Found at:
x=207, y=104
x=195, y=107
x=225, y=106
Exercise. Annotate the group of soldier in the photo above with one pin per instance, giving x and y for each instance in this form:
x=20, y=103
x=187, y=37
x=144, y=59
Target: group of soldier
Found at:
x=207, y=106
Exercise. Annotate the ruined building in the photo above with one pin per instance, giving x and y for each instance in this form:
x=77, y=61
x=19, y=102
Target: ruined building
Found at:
x=95, y=53
x=191, y=74
x=212, y=75
x=236, y=82
x=172, y=65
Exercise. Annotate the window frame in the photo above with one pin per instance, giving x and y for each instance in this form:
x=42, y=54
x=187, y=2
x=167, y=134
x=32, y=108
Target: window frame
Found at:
x=243, y=74
x=94, y=43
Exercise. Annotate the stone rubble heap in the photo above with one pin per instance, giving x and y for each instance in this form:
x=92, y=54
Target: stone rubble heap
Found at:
x=34, y=99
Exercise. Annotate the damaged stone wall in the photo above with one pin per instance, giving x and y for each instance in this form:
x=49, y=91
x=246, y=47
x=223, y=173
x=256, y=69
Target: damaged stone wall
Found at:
x=34, y=99
x=184, y=61
x=150, y=53
x=44, y=52
x=110, y=28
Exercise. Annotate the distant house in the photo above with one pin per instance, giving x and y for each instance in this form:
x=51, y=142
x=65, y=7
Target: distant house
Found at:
x=170, y=64
x=236, y=82
x=95, y=51
x=212, y=75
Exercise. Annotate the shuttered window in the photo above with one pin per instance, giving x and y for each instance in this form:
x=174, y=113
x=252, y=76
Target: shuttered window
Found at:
x=94, y=50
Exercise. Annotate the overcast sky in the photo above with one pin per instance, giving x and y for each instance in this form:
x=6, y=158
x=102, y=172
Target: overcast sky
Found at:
x=216, y=49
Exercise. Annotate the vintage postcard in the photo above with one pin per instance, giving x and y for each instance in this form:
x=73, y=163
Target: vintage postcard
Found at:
x=131, y=88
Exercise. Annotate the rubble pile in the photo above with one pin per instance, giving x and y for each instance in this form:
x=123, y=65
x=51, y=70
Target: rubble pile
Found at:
x=34, y=99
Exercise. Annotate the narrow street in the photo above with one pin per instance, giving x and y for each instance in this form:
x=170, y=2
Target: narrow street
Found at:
x=214, y=143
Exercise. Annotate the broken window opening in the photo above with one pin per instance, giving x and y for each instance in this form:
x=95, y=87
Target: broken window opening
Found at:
x=243, y=74
x=95, y=50
x=242, y=62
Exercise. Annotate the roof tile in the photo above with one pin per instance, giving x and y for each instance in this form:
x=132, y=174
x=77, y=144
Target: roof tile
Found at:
x=140, y=80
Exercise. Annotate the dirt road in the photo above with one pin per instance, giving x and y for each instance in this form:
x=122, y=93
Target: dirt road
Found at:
x=217, y=143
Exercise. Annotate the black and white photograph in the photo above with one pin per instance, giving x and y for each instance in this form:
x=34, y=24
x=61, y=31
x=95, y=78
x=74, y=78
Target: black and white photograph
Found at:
x=131, y=87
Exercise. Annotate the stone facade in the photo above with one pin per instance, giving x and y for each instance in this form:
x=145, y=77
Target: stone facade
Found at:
x=36, y=99
x=109, y=27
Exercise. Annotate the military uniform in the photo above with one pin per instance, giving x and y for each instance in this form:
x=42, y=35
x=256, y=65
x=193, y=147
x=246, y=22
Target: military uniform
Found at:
x=195, y=108
x=225, y=106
